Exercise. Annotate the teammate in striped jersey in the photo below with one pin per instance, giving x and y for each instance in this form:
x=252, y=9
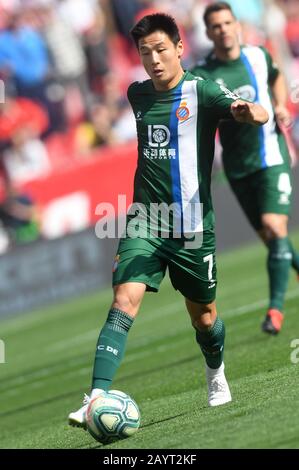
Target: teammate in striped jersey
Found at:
x=256, y=160
x=176, y=117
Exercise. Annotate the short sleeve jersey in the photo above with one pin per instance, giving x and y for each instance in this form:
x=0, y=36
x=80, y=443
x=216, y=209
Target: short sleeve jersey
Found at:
x=246, y=148
x=176, y=135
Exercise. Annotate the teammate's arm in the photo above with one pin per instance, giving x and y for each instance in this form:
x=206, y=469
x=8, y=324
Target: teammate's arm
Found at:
x=225, y=104
x=277, y=83
x=280, y=98
x=250, y=113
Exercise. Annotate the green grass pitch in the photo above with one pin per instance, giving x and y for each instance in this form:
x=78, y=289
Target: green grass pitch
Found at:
x=49, y=358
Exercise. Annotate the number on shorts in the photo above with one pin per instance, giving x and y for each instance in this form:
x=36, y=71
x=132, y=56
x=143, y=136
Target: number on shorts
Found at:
x=209, y=259
x=284, y=183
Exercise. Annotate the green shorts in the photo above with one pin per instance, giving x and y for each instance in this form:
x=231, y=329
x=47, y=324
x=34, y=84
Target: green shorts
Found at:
x=191, y=271
x=265, y=191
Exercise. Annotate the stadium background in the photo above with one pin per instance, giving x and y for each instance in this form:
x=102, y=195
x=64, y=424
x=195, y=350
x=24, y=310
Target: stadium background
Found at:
x=67, y=135
x=67, y=142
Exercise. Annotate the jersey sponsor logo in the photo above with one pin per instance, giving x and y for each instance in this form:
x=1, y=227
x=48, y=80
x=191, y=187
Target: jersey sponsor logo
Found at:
x=247, y=92
x=228, y=93
x=158, y=135
x=220, y=81
x=161, y=154
x=182, y=113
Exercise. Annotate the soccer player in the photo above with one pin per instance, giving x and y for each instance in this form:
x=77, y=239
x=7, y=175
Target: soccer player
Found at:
x=176, y=117
x=256, y=160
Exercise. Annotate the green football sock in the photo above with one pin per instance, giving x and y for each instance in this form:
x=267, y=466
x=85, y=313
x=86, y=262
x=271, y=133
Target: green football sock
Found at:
x=295, y=257
x=211, y=343
x=279, y=263
x=110, y=348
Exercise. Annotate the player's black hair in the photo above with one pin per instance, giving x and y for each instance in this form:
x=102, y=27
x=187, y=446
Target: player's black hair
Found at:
x=156, y=22
x=217, y=6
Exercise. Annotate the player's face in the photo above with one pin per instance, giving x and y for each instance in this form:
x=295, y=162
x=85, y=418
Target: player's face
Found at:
x=161, y=59
x=223, y=30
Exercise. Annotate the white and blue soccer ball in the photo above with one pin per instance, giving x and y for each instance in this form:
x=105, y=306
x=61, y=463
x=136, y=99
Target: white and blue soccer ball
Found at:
x=111, y=416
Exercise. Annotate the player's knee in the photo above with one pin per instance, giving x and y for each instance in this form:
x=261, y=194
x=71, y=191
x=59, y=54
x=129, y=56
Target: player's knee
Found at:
x=203, y=322
x=122, y=302
x=275, y=227
x=202, y=315
x=127, y=300
x=273, y=232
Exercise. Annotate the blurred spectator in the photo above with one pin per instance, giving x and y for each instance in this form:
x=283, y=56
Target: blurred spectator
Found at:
x=199, y=42
x=26, y=158
x=79, y=14
x=282, y=28
x=20, y=46
x=249, y=11
x=99, y=131
x=24, y=155
x=18, y=216
x=24, y=60
x=97, y=51
x=125, y=125
x=64, y=45
x=69, y=64
x=181, y=11
x=18, y=113
x=291, y=12
x=124, y=13
x=110, y=124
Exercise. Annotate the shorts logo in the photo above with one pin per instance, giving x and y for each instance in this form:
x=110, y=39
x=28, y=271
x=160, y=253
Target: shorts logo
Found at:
x=115, y=264
x=284, y=199
x=182, y=113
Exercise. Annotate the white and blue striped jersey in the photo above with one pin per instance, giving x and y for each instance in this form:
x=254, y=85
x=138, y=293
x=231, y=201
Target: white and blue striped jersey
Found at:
x=176, y=135
x=247, y=149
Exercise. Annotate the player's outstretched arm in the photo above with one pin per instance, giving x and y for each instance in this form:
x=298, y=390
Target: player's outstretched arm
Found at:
x=251, y=113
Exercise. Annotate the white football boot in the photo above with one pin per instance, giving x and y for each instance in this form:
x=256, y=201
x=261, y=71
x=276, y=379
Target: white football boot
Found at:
x=78, y=418
x=218, y=389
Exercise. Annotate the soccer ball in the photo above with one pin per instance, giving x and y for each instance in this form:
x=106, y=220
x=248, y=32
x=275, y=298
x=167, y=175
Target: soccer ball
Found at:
x=111, y=416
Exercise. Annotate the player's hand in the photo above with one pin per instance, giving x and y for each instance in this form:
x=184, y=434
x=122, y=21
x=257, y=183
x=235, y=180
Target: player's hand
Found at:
x=283, y=115
x=251, y=113
x=241, y=111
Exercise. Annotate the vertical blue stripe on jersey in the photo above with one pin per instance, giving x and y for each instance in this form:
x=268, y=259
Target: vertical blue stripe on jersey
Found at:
x=174, y=163
x=254, y=84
